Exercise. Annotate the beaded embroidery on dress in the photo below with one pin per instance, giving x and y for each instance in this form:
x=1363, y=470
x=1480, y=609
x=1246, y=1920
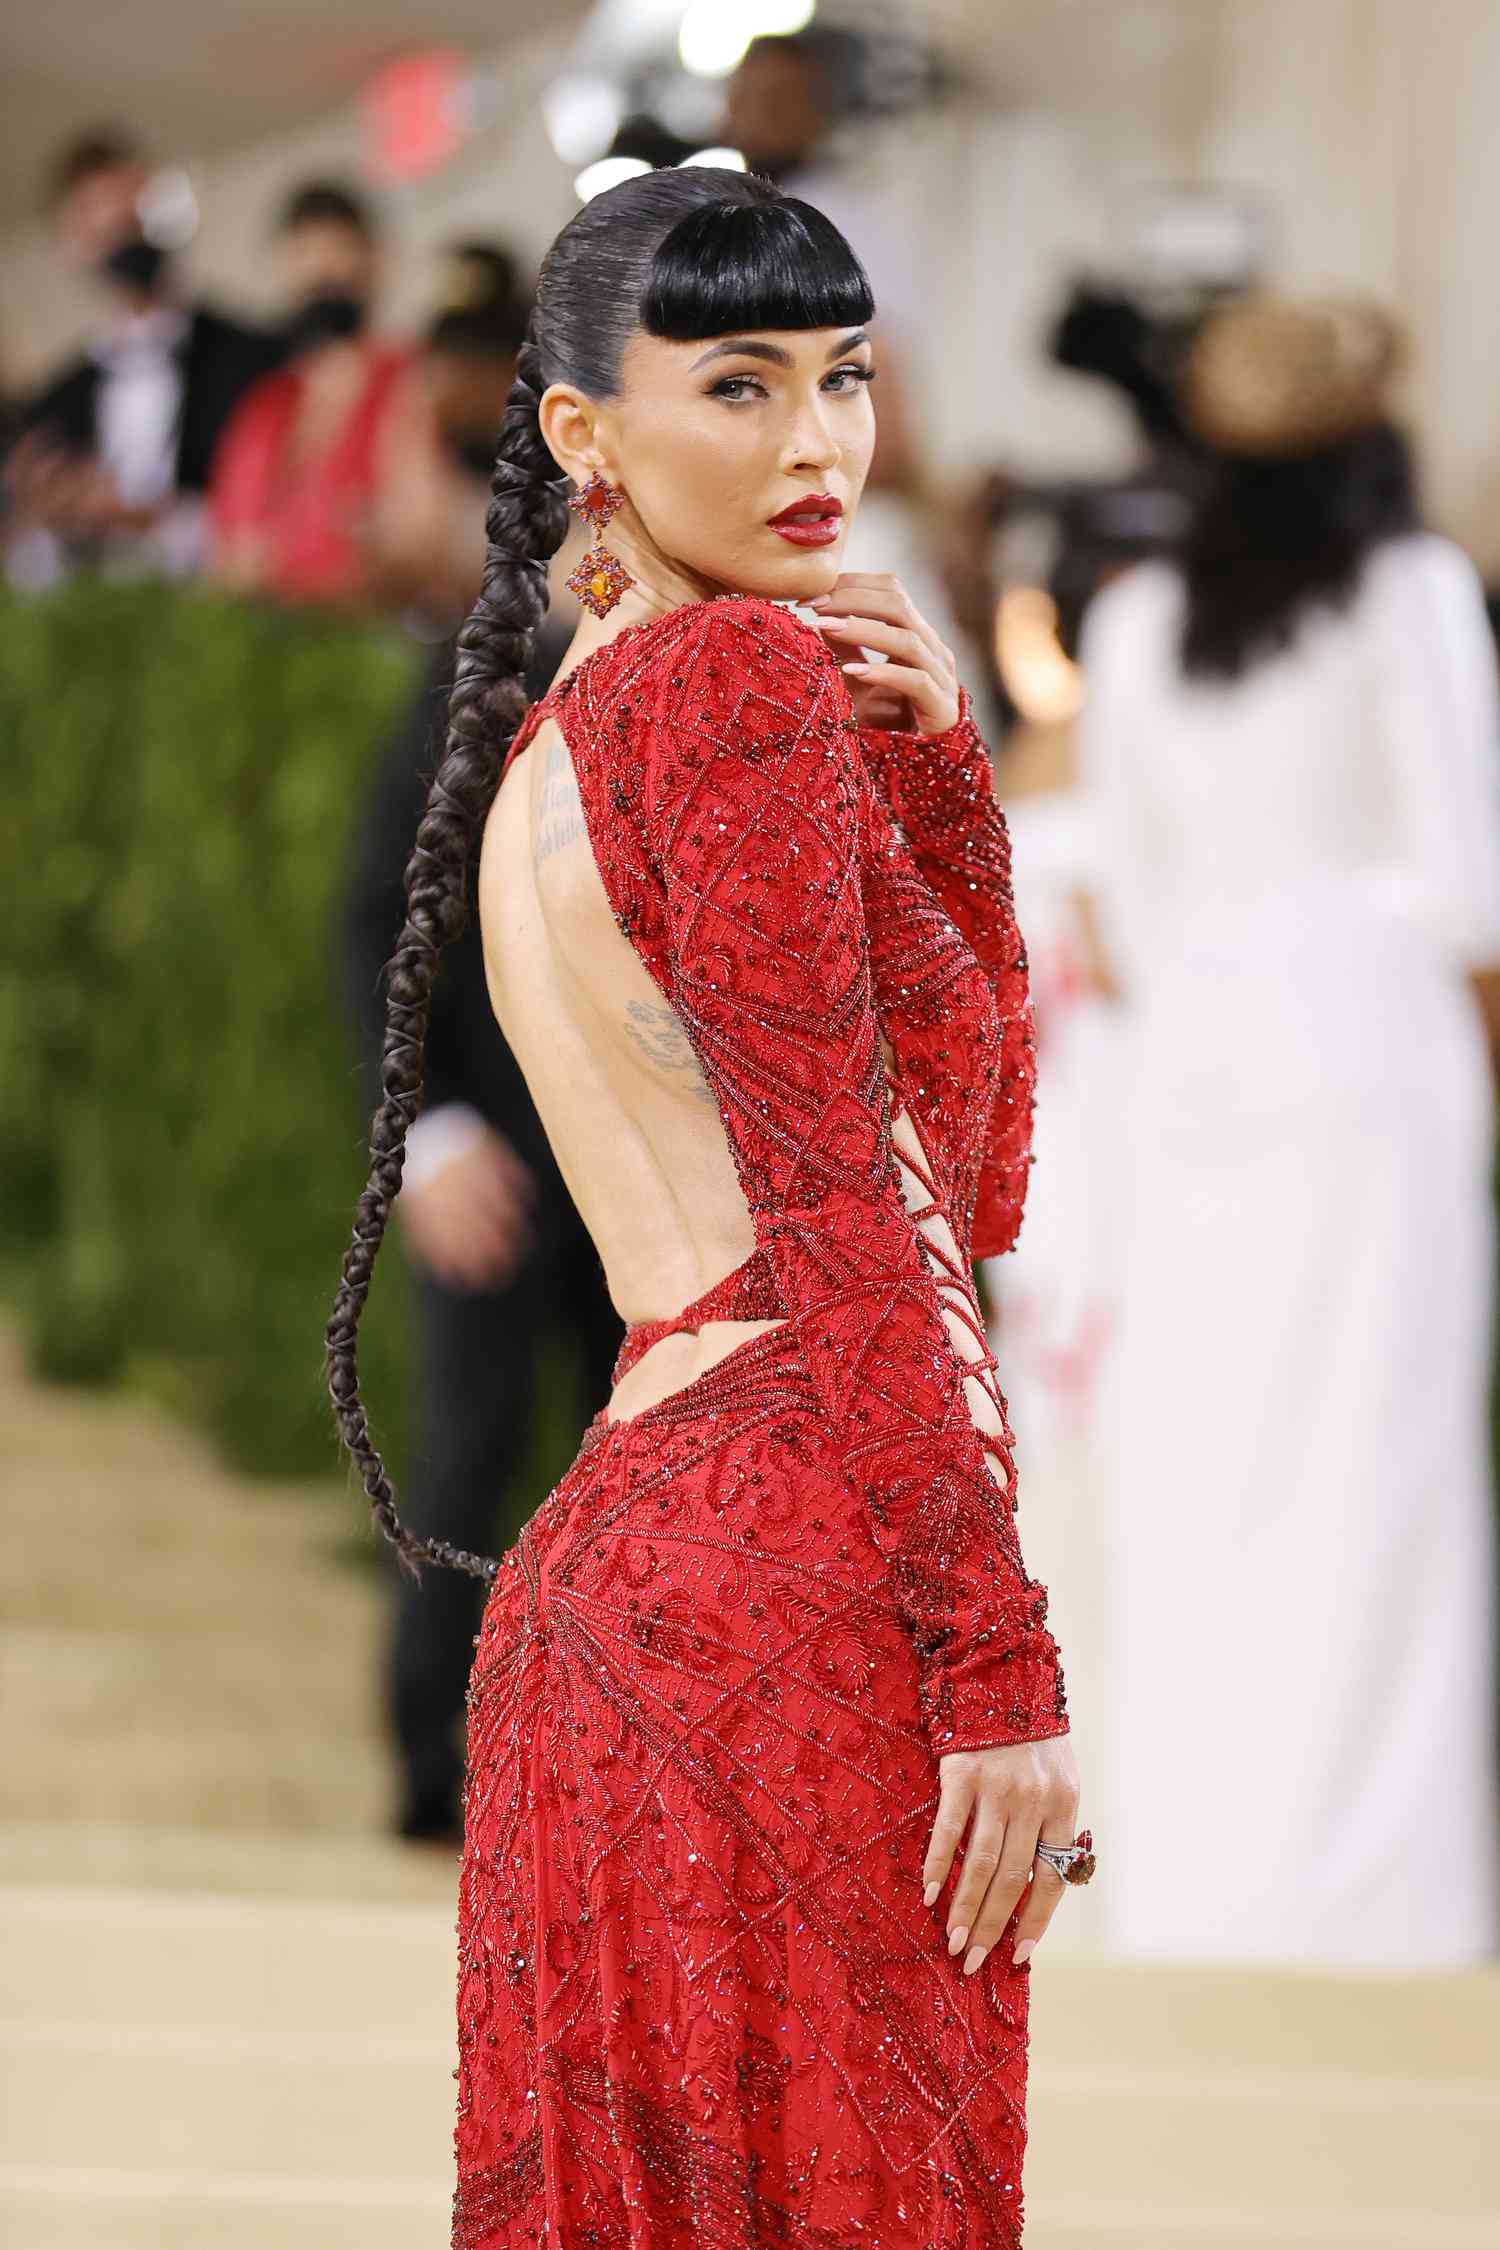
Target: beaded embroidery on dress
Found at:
x=700, y=2000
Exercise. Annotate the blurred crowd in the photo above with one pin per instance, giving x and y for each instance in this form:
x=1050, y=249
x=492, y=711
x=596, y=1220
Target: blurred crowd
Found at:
x=1245, y=714
x=319, y=461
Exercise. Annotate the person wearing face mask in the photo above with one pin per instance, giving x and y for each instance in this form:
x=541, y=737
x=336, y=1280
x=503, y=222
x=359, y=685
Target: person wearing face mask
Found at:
x=304, y=491
x=431, y=552
x=112, y=455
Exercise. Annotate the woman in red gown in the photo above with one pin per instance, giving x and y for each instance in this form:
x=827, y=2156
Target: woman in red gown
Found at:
x=767, y=1734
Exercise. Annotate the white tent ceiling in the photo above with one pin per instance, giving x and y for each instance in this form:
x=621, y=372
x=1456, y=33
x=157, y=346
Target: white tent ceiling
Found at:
x=195, y=79
x=198, y=77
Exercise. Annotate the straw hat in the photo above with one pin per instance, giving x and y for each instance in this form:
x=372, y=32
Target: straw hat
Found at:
x=1276, y=377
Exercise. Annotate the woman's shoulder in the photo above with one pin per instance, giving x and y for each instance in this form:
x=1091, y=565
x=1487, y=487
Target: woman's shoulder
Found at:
x=732, y=692
x=720, y=641
x=730, y=619
x=1422, y=562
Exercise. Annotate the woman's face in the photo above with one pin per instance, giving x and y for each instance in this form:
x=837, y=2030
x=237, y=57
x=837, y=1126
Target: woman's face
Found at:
x=709, y=440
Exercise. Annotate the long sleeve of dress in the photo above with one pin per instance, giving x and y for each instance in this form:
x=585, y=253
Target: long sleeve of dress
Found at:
x=941, y=788
x=756, y=816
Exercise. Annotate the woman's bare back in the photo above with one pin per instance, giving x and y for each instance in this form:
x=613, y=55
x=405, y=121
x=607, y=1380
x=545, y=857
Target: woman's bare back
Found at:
x=632, y=1122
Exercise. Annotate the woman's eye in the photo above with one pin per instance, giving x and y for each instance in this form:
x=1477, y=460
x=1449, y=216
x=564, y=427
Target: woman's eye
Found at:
x=733, y=387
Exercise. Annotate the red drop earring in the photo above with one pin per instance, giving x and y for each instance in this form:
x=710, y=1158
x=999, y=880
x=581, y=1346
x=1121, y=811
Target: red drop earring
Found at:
x=601, y=578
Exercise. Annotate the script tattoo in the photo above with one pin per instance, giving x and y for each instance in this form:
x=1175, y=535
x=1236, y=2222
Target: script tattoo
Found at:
x=560, y=820
x=659, y=1035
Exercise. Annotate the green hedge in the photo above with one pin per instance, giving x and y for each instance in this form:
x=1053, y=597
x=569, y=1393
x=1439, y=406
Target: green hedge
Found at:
x=181, y=1129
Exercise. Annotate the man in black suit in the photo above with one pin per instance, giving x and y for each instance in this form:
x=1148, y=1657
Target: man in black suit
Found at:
x=498, y=1253
x=113, y=454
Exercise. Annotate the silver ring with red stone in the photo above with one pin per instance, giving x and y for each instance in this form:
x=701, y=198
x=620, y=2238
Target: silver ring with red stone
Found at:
x=1074, y=1862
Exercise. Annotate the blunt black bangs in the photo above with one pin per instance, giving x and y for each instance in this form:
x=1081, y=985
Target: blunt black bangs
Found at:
x=775, y=264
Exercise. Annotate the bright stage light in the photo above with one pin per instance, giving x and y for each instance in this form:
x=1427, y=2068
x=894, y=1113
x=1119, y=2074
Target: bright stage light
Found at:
x=607, y=173
x=726, y=159
x=581, y=114
x=715, y=33
x=1044, y=683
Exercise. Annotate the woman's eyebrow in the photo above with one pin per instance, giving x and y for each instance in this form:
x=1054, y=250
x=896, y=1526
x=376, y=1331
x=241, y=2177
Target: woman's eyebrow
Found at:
x=753, y=348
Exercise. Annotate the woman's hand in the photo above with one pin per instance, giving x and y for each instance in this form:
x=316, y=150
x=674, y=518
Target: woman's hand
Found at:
x=1016, y=1795
x=471, y=1222
x=916, y=689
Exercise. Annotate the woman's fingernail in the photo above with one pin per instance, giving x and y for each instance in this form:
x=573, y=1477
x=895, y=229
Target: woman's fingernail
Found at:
x=1024, y=1951
x=959, y=1939
x=818, y=601
x=975, y=1956
x=930, y=1893
x=854, y=667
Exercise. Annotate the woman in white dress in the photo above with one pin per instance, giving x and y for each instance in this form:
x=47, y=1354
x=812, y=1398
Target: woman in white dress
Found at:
x=1292, y=751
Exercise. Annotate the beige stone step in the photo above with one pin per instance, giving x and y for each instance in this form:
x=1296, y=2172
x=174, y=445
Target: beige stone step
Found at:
x=261, y=1972
x=1215, y=2108
x=98, y=2210
x=123, y=1857
x=1079, y=2223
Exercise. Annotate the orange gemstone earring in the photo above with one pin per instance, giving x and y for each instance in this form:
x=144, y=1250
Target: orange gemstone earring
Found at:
x=601, y=578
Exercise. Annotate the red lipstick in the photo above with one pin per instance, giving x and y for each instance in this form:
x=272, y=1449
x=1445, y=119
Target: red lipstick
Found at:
x=812, y=521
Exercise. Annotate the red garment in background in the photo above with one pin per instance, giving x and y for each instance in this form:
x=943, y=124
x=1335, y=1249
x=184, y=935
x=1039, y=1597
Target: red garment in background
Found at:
x=701, y=2005
x=306, y=512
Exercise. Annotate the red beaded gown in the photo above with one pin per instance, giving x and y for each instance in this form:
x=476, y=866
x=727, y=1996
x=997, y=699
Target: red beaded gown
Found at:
x=700, y=2001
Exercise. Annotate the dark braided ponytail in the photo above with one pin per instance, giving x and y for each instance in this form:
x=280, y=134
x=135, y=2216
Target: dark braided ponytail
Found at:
x=525, y=525
x=682, y=253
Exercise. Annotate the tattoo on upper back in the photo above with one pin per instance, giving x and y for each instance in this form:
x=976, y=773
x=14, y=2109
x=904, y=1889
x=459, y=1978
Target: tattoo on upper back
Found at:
x=560, y=820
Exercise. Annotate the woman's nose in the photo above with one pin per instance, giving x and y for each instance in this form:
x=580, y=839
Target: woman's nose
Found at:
x=812, y=441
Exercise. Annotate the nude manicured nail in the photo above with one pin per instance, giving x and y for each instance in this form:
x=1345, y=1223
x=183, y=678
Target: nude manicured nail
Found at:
x=975, y=1955
x=930, y=1893
x=1024, y=1950
x=959, y=1939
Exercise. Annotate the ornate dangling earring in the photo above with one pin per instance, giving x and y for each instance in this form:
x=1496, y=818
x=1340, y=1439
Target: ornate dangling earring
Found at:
x=601, y=578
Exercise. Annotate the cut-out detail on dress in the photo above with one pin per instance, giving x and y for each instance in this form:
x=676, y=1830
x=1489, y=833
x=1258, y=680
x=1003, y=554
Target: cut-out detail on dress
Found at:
x=745, y=1282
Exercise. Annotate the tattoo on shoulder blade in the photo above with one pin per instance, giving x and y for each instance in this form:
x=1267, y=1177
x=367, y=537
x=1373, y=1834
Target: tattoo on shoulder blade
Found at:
x=658, y=1033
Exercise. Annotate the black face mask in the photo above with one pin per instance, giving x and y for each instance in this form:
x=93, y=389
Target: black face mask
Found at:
x=329, y=316
x=134, y=264
x=474, y=450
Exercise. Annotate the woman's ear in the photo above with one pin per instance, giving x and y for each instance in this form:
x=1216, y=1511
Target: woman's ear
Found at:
x=566, y=418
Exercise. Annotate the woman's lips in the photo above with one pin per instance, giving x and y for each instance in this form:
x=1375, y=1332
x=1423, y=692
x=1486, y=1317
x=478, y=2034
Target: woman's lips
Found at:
x=810, y=531
x=815, y=523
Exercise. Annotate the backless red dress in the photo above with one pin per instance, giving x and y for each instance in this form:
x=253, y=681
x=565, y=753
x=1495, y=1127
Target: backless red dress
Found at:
x=700, y=2001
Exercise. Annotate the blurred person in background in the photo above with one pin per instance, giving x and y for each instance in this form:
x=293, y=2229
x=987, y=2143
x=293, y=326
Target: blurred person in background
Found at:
x=1291, y=744
x=432, y=555
x=112, y=456
x=499, y=1256
x=312, y=473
